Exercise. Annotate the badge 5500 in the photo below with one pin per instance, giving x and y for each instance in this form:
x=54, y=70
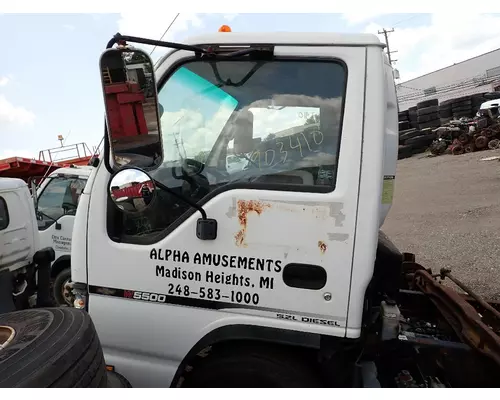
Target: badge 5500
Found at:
x=154, y=297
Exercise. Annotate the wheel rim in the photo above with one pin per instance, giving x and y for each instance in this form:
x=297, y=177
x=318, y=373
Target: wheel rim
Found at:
x=66, y=292
x=6, y=335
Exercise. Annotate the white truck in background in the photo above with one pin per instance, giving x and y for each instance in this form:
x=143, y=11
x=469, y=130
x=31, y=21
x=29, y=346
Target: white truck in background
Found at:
x=57, y=199
x=21, y=254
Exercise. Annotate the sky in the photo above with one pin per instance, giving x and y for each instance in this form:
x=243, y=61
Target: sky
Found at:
x=54, y=88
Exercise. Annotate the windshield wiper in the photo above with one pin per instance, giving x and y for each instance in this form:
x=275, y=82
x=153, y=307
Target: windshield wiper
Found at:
x=229, y=82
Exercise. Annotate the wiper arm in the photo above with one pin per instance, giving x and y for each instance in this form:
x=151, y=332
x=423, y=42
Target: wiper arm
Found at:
x=229, y=82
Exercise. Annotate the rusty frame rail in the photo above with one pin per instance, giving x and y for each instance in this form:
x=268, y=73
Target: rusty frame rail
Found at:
x=458, y=312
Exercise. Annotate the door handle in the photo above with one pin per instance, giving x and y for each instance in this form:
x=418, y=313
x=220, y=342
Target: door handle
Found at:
x=304, y=276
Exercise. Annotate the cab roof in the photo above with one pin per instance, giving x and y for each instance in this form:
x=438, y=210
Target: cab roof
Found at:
x=288, y=38
x=11, y=183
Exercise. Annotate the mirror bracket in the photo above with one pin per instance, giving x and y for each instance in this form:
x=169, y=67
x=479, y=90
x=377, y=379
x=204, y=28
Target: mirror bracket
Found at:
x=206, y=229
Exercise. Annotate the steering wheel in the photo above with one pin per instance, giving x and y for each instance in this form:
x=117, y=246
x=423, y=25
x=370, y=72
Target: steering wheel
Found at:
x=67, y=207
x=197, y=184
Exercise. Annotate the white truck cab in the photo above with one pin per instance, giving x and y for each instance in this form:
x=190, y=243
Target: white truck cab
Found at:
x=57, y=200
x=273, y=257
x=19, y=246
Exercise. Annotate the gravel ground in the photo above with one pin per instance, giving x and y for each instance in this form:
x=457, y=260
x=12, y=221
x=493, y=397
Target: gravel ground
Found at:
x=446, y=211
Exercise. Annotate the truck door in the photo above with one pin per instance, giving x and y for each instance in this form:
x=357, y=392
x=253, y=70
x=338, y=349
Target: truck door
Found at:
x=286, y=215
x=57, y=204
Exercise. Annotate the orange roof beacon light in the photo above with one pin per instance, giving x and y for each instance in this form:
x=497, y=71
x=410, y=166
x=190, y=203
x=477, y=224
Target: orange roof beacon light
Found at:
x=224, y=28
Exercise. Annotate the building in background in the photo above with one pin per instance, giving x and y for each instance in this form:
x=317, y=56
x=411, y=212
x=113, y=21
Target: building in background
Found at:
x=476, y=75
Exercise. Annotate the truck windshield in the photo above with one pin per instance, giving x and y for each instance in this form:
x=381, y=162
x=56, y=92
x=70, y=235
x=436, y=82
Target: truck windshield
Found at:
x=59, y=197
x=293, y=109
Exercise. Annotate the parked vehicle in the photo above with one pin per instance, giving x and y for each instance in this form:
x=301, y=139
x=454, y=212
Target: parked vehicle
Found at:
x=58, y=186
x=276, y=275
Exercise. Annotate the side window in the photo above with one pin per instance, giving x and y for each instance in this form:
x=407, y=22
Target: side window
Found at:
x=271, y=125
x=60, y=197
x=4, y=214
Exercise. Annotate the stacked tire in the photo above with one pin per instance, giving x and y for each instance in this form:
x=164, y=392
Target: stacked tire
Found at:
x=404, y=121
x=428, y=114
x=414, y=141
x=53, y=347
x=413, y=117
x=476, y=101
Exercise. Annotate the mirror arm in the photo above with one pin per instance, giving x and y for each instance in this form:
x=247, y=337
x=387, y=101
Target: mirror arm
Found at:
x=118, y=37
x=192, y=204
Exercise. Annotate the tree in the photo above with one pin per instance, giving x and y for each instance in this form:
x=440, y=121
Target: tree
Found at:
x=313, y=119
x=202, y=156
x=269, y=137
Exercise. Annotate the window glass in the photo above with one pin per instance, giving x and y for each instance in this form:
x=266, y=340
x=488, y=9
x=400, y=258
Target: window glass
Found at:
x=246, y=122
x=4, y=214
x=60, y=197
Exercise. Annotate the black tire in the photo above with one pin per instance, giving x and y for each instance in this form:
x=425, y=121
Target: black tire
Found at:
x=53, y=347
x=404, y=125
x=252, y=366
x=460, y=99
x=410, y=134
x=427, y=118
x=117, y=381
x=421, y=141
x=463, y=103
x=430, y=124
x=427, y=103
x=428, y=110
x=58, y=285
x=412, y=109
x=460, y=109
x=477, y=101
x=446, y=103
x=460, y=114
x=446, y=113
x=407, y=152
x=444, y=121
x=412, y=116
x=403, y=115
x=492, y=95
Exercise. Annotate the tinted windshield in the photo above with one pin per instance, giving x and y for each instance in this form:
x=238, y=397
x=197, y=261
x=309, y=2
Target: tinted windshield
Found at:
x=264, y=118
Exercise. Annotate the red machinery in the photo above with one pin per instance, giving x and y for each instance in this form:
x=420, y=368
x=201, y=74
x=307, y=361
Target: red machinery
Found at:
x=132, y=191
x=125, y=112
x=24, y=168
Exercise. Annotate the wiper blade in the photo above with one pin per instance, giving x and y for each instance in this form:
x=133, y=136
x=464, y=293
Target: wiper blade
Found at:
x=263, y=52
x=229, y=82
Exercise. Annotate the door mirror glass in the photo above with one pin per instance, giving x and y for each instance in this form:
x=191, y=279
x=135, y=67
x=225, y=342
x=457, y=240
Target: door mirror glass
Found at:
x=132, y=110
x=132, y=190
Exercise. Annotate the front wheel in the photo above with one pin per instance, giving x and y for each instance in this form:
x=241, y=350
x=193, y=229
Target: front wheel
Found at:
x=252, y=367
x=60, y=290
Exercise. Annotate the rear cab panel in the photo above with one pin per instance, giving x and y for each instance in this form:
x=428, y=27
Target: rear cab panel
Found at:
x=18, y=233
x=263, y=231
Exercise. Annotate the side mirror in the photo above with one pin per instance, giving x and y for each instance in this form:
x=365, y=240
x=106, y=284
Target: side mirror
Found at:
x=132, y=110
x=132, y=190
x=33, y=193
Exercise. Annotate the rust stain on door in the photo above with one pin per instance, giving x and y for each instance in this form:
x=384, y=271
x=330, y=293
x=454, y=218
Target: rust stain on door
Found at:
x=244, y=207
x=322, y=246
